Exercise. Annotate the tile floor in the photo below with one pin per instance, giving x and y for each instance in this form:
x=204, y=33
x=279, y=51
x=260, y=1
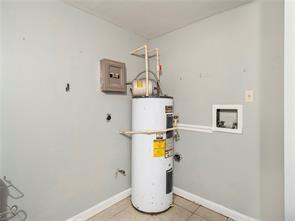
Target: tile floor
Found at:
x=183, y=210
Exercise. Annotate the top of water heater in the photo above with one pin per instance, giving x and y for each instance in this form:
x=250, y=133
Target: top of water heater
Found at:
x=153, y=96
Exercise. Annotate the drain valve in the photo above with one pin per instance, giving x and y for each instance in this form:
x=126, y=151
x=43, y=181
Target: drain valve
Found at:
x=109, y=117
x=177, y=157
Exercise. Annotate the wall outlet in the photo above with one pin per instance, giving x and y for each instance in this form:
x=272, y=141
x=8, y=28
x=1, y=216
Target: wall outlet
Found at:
x=249, y=96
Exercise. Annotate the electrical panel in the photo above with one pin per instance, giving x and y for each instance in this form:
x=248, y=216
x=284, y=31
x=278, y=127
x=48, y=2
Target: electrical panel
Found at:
x=113, y=76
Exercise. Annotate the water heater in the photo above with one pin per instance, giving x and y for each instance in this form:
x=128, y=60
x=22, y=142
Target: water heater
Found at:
x=152, y=154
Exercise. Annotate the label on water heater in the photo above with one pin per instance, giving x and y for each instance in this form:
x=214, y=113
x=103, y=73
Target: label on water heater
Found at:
x=139, y=84
x=159, y=148
x=169, y=148
x=169, y=109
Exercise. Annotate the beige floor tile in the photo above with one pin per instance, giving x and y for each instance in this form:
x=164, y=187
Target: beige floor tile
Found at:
x=154, y=218
x=195, y=217
x=130, y=214
x=190, y=206
x=175, y=213
x=181, y=211
x=230, y=219
x=209, y=214
x=112, y=211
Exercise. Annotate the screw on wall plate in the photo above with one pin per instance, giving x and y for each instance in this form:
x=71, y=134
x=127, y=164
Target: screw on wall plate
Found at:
x=68, y=87
x=109, y=117
x=120, y=171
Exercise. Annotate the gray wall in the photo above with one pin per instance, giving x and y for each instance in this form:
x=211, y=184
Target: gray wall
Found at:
x=58, y=148
x=272, y=111
x=213, y=62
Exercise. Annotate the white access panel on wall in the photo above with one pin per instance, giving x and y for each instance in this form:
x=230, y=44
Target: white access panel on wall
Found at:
x=227, y=118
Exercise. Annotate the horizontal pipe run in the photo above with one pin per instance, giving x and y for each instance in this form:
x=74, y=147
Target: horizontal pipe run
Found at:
x=137, y=49
x=148, y=131
x=134, y=52
x=151, y=51
x=194, y=126
x=139, y=55
x=186, y=127
x=196, y=130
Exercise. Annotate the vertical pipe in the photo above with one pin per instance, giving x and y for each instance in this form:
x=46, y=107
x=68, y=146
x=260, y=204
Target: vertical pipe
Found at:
x=136, y=50
x=146, y=71
x=158, y=70
x=158, y=63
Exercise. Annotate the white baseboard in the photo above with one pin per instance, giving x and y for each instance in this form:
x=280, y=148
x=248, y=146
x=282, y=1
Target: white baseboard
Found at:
x=100, y=206
x=213, y=206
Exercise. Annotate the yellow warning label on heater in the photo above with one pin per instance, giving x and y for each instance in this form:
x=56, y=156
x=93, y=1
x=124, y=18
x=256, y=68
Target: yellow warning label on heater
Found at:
x=139, y=83
x=159, y=147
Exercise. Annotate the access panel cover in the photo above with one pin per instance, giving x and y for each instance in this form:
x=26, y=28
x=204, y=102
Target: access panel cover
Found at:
x=112, y=76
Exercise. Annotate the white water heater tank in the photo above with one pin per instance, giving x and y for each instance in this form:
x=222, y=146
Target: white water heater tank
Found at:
x=152, y=154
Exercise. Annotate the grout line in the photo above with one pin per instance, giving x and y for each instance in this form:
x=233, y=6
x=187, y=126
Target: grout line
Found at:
x=196, y=208
x=186, y=208
x=226, y=218
x=189, y=217
x=129, y=203
x=212, y=211
x=199, y=206
x=200, y=217
x=119, y=212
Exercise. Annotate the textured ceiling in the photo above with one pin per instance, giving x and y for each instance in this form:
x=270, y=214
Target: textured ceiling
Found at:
x=151, y=19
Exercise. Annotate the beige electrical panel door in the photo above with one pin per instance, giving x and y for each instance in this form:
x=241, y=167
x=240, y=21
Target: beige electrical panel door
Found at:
x=112, y=76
